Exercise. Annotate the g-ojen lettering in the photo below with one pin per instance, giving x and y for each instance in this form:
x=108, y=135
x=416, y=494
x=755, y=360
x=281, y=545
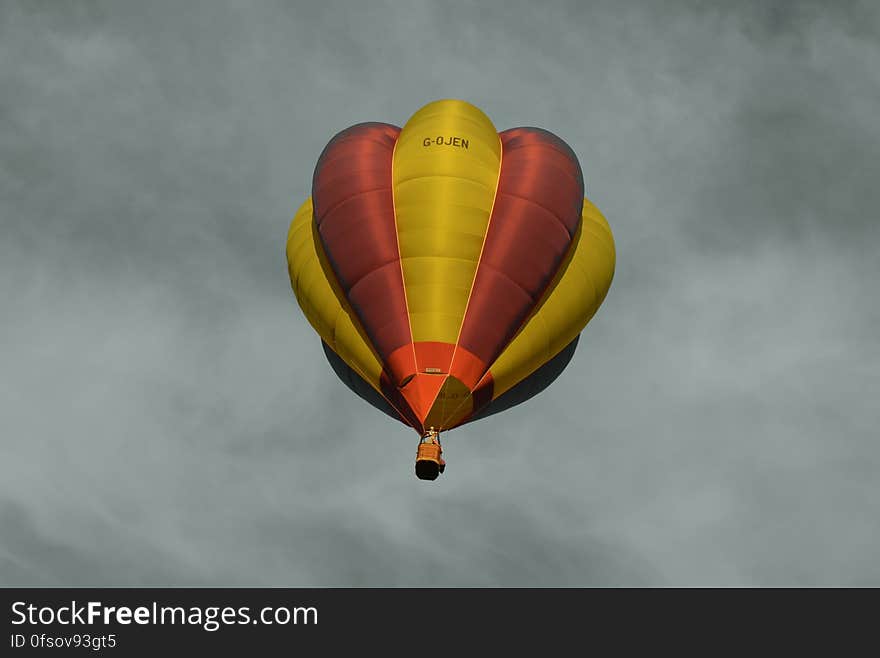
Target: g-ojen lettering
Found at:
x=448, y=140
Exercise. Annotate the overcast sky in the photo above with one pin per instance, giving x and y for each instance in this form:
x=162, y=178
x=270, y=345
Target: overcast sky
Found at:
x=166, y=413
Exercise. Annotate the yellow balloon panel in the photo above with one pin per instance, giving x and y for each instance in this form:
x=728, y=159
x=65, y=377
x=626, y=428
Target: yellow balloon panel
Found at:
x=322, y=301
x=444, y=175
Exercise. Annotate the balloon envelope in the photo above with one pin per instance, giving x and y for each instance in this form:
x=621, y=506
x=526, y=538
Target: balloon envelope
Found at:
x=448, y=268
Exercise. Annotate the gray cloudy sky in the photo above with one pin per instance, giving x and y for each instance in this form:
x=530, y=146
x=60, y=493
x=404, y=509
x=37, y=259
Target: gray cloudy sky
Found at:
x=166, y=413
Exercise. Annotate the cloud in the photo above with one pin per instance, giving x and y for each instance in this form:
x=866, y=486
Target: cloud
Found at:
x=166, y=414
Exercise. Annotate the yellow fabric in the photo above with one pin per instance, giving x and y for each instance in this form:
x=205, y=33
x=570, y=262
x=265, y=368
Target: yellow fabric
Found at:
x=445, y=173
x=453, y=404
x=322, y=301
x=572, y=298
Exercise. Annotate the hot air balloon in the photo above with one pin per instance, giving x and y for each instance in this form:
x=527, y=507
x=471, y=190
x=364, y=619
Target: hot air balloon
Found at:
x=448, y=268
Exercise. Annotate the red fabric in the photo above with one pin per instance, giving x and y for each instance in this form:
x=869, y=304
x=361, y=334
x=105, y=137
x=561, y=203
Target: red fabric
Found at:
x=536, y=213
x=354, y=211
x=482, y=396
x=467, y=367
x=435, y=355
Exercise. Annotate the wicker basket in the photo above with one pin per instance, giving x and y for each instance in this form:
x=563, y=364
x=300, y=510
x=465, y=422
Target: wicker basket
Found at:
x=429, y=464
